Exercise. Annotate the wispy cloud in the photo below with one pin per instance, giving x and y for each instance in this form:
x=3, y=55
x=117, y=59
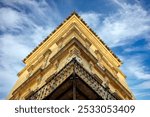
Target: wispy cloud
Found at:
x=138, y=75
x=131, y=49
x=135, y=67
x=92, y=18
x=125, y=26
x=143, y=85
x=23, y=24
x=142, y=95
x=16, y=19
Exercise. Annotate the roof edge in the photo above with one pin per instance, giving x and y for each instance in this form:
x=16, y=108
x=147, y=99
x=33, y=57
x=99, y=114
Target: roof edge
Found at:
x=73, y=13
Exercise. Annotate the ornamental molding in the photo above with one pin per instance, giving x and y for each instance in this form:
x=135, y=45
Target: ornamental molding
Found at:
x=41, y=71
x=73, y=67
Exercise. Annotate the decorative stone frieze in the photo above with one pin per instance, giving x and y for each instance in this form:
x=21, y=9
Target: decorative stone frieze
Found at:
x=72, y=67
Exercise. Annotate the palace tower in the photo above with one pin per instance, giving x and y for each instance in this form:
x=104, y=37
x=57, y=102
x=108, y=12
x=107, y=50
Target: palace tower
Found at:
x=71, y=63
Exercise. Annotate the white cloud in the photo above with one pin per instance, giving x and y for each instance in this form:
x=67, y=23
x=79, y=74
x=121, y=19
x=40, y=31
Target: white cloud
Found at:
x=133, y=49
x=36, y=9
x=14, y=21
x=7, y=14
x=138, y=75
x=141, y=94
x=125, y=26
x=13, y=47
x=92, y=18
x=22, y=32
x=143, y=85
x=11, y=53
x=134, y=67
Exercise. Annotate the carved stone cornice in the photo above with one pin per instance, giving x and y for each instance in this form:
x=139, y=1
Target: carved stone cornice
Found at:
x=53, y=82
x=78, y=18
x=93, y=83
x=88, y=56
x=28, y=81
x=73, y=67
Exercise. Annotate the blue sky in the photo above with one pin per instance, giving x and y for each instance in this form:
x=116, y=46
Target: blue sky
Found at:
x=124, y=25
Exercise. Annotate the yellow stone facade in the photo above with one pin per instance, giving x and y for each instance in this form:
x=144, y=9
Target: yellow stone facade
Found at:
x=72, y=39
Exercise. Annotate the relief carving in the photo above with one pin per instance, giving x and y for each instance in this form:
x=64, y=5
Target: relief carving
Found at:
x=75, y=53
x=56, y=65
x=46, y=58
x=100, y=59
x=38, y=80
x=18, y=96
x=106, y=83
x=60, y=43
x=30, y=70
x=115, y=72
x=87, y=44
x=91, y=65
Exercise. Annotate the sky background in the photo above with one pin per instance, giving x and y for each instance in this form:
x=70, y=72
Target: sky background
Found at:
x=124, y=25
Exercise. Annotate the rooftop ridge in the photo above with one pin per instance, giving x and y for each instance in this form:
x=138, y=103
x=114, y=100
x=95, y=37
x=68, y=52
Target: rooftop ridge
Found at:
x=73, y=13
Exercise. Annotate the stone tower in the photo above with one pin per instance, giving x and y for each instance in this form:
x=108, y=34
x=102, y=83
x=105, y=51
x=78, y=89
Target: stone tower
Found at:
x=71, y=63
